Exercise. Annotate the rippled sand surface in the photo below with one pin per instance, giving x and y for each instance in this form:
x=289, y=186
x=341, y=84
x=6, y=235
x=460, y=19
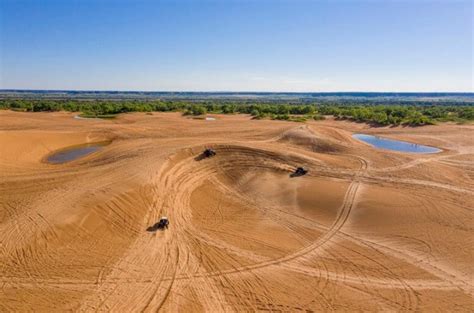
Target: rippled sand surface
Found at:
x=364, y=230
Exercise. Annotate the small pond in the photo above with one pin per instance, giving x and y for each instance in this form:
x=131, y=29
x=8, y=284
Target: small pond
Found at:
x=395, y=145
x=78, y=117
x=74, y=153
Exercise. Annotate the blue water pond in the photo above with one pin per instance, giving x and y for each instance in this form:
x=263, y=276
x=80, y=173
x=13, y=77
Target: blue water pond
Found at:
x=74, y=153
x=395, y=145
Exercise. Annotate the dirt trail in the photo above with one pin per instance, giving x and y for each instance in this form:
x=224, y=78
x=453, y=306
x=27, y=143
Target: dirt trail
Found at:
x=364, y=230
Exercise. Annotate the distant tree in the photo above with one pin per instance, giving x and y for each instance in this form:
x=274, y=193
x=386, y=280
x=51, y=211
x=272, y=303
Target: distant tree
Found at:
x=196, y=109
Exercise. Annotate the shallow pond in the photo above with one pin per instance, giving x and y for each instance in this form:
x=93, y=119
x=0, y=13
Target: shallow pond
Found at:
x=74, y=153
x=395, y=145
x=77, y=117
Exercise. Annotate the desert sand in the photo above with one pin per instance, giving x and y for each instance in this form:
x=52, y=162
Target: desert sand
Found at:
x=364, y=230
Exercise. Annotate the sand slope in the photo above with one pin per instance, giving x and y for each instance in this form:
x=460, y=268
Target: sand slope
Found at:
x=365, y=230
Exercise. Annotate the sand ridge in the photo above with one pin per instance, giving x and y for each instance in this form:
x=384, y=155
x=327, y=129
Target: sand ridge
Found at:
x=364, y=230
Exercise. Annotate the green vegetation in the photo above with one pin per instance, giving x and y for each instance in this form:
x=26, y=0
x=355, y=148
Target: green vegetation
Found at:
x=402, y=115
x=195, y=110
x=93, y=115
x=412, y=115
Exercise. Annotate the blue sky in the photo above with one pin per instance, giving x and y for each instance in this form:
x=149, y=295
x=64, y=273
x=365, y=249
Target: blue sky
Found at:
x=237, y=45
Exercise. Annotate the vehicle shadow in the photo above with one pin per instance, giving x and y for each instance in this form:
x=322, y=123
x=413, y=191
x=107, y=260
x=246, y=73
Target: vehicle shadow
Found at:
x=200, y=157
x=292, y=175
x=154, y=228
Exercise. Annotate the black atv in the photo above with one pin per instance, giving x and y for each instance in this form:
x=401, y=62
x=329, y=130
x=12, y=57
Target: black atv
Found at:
x=209, y=153
x=162, y=224
x=300, y=171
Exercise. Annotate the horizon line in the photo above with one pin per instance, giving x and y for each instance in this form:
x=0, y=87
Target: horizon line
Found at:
x=230, y=91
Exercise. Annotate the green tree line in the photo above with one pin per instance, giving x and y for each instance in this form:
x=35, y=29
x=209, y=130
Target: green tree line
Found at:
x=376, y=114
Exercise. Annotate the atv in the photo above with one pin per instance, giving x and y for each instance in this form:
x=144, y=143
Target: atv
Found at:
x=163, y=223
x=300, y=171
x=209, y=153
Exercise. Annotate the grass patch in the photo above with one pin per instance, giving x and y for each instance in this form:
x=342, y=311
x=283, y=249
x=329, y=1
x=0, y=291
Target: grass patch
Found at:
x=103, y=116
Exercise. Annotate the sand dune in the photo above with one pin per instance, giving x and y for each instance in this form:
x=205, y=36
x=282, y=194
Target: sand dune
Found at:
x=364, y=230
